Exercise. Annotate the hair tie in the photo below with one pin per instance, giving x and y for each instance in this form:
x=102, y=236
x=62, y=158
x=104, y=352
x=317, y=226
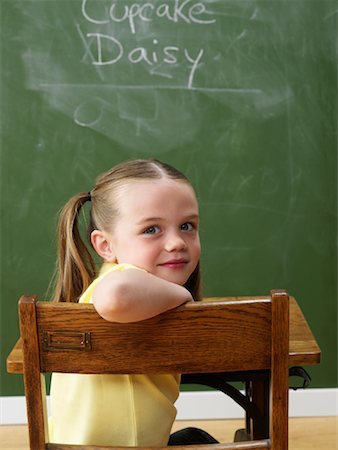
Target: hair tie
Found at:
x=89, y=196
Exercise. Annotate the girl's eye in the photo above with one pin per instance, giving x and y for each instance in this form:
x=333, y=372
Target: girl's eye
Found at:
x=152, y=230
x=188, y=226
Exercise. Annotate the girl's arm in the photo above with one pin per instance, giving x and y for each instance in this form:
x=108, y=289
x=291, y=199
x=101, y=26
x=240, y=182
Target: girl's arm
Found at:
x=132, y=295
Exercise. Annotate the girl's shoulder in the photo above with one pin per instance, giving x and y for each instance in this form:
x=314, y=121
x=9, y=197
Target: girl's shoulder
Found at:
x=109, y=267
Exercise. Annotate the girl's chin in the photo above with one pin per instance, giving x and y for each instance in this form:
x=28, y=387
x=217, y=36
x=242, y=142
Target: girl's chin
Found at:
x=174, y=279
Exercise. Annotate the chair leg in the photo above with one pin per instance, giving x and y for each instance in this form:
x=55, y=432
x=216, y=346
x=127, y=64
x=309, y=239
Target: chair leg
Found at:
x=242, y=435
x=260, y=391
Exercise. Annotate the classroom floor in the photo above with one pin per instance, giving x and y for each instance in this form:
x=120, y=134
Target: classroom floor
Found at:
x=315, y=433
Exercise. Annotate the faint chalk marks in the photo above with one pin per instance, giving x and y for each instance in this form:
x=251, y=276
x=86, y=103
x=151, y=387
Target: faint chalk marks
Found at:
x=88, y=52
x=331, y=14
x=89, y=112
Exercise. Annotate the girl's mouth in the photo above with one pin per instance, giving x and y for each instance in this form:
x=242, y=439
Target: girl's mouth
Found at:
x=174, y=263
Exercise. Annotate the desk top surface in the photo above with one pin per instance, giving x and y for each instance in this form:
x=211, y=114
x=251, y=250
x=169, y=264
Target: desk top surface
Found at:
x=303, y=348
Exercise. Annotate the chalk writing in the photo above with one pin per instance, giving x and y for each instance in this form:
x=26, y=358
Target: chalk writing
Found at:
x=174, y=11
x=107, y=49
x=168, y=54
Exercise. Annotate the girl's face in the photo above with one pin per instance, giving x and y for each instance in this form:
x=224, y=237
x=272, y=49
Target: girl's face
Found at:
x=157, y=229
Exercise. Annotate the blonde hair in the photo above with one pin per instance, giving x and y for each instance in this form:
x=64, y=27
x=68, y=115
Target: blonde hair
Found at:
x=76, y=268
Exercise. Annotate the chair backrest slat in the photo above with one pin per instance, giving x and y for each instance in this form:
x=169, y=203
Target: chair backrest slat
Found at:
x=209, y=336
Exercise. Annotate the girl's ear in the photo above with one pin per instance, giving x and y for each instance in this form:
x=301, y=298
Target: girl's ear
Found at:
x=102, y=245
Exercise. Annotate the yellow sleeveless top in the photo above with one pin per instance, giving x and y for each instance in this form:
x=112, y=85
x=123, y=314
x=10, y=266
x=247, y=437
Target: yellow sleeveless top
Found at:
x=121, y=410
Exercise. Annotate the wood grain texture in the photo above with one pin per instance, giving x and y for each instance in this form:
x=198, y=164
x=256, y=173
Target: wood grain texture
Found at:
x=14, y=362
x=34, y=387
x=303, y=348
x=198, y=337
x=279, y=386
x=253, y=445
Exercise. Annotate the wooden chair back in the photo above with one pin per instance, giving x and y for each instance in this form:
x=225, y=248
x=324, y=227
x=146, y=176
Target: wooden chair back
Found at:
x=214, y=335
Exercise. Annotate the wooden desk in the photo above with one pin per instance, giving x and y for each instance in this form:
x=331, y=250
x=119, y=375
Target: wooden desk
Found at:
x=303, y=350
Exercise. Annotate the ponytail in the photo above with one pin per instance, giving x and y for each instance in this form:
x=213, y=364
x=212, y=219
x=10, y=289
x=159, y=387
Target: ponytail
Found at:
x=75, y=265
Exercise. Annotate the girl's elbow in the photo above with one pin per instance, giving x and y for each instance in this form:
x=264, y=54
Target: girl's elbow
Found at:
x=112, y=306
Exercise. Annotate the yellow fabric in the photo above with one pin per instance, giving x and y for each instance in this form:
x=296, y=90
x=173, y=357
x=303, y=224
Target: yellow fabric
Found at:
x=121, y=410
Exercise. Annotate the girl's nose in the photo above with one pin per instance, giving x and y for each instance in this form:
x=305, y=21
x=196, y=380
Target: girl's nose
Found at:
x=175, y=243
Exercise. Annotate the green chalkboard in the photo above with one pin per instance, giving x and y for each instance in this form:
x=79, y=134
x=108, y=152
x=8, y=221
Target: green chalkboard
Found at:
x=239, y=94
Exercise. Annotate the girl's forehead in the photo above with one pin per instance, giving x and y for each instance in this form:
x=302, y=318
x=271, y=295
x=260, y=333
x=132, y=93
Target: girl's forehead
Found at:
x=144, y=193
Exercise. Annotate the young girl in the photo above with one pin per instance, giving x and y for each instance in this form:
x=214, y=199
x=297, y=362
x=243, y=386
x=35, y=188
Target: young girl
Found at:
x=144, y=225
